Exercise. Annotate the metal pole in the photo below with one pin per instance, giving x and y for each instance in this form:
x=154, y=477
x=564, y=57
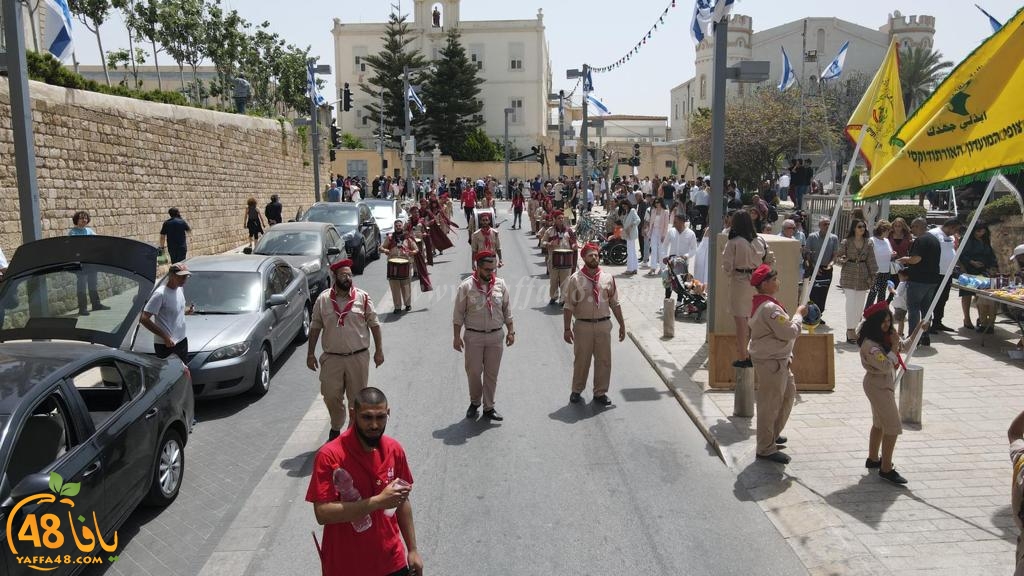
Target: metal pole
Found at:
x=315, y=135
x=561, y=131
x=507, y=110
x=803, y=72
x=406, y=133
x=585, y=169
x=21, y=122
x=380, y=136
x=717, y=163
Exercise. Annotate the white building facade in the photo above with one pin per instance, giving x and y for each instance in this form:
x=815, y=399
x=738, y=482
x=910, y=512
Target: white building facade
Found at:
x=819, y=39
x=511, y=56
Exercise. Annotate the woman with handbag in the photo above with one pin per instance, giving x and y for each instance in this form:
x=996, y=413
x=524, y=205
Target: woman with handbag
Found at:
x=857, y=258
x=978, y=258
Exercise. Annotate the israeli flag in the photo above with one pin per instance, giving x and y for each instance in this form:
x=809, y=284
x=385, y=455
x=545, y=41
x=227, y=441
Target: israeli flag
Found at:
x=58, y=29
x=702, y=15
x=835, y=69
x=415, y=99
x=311, y=89
x=992, y=21
x=597, y=106
x=588, y=82
x=722, y=10
x=788, y=73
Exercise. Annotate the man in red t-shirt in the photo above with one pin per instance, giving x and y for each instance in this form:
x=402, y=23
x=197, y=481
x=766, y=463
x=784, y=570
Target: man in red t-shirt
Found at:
x=380, y=473
x=469, y=198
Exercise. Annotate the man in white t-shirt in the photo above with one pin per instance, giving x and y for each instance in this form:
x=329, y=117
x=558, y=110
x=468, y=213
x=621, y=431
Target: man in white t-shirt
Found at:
x=784, y=186
x=946, y=236
x=164, y=315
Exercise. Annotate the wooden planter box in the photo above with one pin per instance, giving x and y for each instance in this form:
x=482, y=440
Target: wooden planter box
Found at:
x=814, y=362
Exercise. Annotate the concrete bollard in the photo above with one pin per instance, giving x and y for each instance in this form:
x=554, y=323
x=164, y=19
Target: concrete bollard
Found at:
x=743, y=399
x=912, y=394
x=668, y=318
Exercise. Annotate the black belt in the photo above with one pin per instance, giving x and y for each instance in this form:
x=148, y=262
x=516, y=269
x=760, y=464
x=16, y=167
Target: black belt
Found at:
x=348, y=353
x=856, y=261
x=593, y=320
x=746, y=270
x=482, y=331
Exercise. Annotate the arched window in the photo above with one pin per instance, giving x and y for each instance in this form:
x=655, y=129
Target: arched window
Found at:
x=821, y=42
x=703, y=87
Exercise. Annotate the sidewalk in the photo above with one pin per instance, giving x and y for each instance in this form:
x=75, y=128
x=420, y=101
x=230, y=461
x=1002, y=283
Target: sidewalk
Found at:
x=952, y=518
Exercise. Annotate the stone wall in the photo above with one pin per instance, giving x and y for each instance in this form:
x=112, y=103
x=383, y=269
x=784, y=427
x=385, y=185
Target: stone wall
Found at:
x=127, y=161
x=1006, y=235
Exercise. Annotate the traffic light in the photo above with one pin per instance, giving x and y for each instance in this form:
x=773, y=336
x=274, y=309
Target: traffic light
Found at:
x=540, y=155
x=346, y=98
x=335, y=137
x=636, y=149
x=333, y=155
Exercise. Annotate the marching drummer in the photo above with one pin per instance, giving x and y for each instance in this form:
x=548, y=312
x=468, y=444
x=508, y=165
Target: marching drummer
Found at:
x=561, y=242
x=485, y=239
x=401, y=249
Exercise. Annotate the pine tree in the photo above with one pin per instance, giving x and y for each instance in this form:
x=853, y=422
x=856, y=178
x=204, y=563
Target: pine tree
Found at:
x=451, y=95
x=388, y=67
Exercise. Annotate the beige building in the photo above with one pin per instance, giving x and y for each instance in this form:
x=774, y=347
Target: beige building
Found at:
x=511, y=55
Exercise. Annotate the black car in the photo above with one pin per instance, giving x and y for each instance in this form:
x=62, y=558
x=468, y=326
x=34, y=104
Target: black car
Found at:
x=357, y=226
x=309, y=246
x=88, y=430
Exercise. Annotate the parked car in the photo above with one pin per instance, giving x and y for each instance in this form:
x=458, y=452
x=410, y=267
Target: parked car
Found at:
x=356, y=225
x=248, y=311
x=309, y=246
x=75, y=402
x=385, y=212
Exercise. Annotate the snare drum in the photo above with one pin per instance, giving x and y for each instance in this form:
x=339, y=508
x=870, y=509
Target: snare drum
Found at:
x=399, y=269
x=561, y=258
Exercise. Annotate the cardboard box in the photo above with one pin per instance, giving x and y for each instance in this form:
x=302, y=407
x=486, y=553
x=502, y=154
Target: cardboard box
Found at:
x=813, y=362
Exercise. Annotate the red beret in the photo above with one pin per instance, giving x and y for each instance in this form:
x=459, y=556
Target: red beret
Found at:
x=556, y=213
x=484, y=254
x=876, y=308
x=589, y=247
x=762, y=273
x=346, y=263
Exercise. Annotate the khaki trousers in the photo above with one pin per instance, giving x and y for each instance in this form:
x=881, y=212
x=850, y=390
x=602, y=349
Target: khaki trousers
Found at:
x=341, y=377
x=592, y=340
x=401, y=291
x=558, y=279
x=483, y=358
x=776, y=390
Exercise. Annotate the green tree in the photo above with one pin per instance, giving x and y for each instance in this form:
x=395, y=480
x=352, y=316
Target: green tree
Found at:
x=145, y=20
x=388, y=68
x=451, y=95
x=226, y=40
x=921, y=69
x=182, y=33
x=259, y=65
x=93, y=13
x=478, y=147
x=290, y=70
x=351, y=141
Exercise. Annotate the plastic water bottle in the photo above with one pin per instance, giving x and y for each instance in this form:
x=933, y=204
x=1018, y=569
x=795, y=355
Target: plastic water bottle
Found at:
x=343, y=484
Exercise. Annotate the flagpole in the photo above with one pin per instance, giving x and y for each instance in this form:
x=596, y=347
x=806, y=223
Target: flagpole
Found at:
x=835, y=211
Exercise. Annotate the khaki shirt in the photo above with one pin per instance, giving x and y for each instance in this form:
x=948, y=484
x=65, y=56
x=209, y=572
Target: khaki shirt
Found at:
x=471, y=306
x=742, y=255
x=1017, y=496
x=355, y=334
x=579, y=298
x=879, y=366
x=772, y=332
x=477, y=242
x=565, y=239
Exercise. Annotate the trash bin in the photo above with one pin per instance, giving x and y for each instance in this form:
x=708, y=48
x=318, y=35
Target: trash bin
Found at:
x=912, y=394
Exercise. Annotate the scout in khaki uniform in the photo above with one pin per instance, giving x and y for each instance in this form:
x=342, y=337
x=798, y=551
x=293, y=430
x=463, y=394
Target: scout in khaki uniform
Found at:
x=591, y=298
x=557, y=237
x=1016, y=436
x=772, y=337
x=482, y=307
x=346, y=317
x=400, y=244
x=485, y=239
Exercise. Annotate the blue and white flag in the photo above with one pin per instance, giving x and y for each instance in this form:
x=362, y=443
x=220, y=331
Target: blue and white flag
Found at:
x=992, y=21
x=311, y=89
x=835, y=69
x=415, y=99
x=588, y=81
x=722, y=10
x=57, y=39
x=597, y=106
x=702, y=15
x=788, y=73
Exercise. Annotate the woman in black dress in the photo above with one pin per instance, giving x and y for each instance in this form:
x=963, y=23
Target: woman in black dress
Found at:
x=253, y=222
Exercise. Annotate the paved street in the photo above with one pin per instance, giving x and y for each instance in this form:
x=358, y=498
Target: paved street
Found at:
x=555, y=488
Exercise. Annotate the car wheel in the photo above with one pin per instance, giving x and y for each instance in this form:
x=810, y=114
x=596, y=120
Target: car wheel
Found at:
x=169, y=470
x=360, y=261
x=376, y=251
x=261, y=383
x=303, y=334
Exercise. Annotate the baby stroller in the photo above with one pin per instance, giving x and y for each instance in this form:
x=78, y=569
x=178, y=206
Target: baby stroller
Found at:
x=690, y=293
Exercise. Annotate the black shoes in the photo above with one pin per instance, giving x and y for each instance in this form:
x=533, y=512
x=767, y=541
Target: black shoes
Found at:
x=871, y=464
x=472, y=411
x=892, y=476
x=781, y=440
x=603, y=400
x=942, y=327
x=492, y=414
x=575, y=398
x=83, y=311
x=777, y=457
x=552, y=302
x=407, y=308
x=96, y=307
x=925, y=341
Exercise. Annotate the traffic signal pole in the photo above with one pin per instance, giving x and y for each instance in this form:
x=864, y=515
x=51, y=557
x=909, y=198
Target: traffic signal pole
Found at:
x=585, y=153
x=561, y=132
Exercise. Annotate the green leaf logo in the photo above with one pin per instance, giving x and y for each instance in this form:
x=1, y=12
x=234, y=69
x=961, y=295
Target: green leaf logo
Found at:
x=70, y=489
x=56, y=482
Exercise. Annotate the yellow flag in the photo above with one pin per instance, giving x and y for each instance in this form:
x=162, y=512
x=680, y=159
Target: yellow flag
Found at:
x=880, y=113
x=974, y=131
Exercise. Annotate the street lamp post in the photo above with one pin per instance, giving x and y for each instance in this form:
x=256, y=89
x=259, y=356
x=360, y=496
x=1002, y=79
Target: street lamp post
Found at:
x=584, y=154
x=508, y=111
x=561, y=128
x=315, y=131
x=406, y=133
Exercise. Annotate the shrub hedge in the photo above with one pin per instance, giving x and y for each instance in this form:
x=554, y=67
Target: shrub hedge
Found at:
x=46, y=68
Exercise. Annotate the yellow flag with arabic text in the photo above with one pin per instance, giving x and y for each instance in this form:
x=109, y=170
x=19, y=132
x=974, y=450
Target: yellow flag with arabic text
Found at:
x=974, y=131
x=880, y=113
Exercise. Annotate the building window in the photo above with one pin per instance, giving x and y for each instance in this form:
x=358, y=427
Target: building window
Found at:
x=821, y=40
x=359, y=53
x=703, y=87
x=516, y=117
x=516, y=55
x=676, y=115
x=476, y=55
x=515, y=64
x=366, y=120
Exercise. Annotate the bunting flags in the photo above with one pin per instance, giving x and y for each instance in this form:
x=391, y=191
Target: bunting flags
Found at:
x=835, y=69
x=879, y=113
x=57, y=37
x=974, y=128
x=992, y=21
x=788, y=73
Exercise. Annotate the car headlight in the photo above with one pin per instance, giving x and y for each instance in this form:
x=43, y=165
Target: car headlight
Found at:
x=229, y=351
x=311, y=267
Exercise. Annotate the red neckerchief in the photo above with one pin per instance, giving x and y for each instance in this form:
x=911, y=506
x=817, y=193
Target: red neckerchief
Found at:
x=486, y=293
x=486, y=233
x=342, y=313
x=761, y=299
x=899, y=358
x=595, y=280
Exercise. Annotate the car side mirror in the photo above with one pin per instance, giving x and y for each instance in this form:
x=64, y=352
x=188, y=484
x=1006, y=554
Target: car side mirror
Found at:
x=276, y=300
x=29, y=485
x=247, y=250
x=333, y=251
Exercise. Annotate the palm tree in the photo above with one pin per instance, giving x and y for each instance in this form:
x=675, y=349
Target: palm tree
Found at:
x=921, y=69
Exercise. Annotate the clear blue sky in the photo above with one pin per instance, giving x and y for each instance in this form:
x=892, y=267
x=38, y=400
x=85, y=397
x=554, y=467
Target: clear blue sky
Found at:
x=601, y=31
